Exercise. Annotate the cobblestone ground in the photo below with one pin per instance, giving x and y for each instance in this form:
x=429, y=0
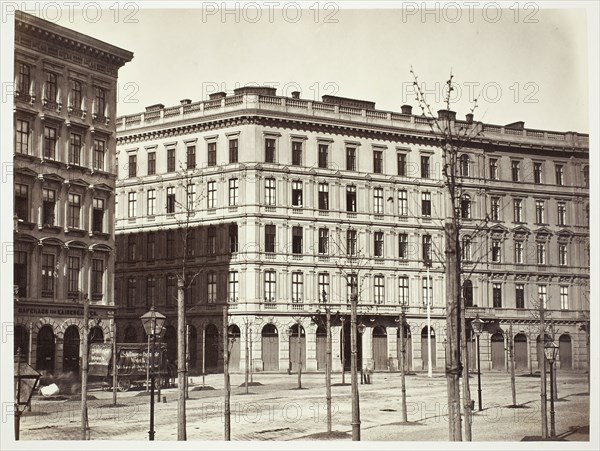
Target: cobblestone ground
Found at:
x=276, y=410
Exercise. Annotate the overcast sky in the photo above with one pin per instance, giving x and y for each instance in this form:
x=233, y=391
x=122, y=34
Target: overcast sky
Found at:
x=528, y=65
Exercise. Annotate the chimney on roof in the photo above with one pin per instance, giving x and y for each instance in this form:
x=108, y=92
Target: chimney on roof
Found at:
x=217, y=95
x=185, y=101
x=469, y=117
x=406, y=109
x=519, y=125
x=446, y=115
x=295, y=94
x=155, y=107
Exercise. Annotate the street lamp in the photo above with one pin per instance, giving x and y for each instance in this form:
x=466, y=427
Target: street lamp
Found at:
x=298, y=353
x=26, y=380
x=551, y=352
x=477, y=326
x=401, y=322
x=153, y=322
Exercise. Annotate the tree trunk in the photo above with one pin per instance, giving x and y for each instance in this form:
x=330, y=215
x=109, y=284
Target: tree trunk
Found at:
x=453, y=369
x=465, y=360
x=511, y=354
x=227, y=406
x=328, y=370
x=543, y=408
x=247, y=372
x=84, y=367
x=181, y=366
x=354, y=372
x=402, y=369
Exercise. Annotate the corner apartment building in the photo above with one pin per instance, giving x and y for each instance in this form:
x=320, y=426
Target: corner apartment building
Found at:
x=290, y=202
x=64, y=179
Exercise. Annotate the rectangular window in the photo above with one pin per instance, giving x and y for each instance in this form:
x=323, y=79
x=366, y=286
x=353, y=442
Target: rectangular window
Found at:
x=403, y=290
x=379, y=294
x=97, y=215
x=516, y=171
x=350, y=158
x=270, y=238
x=212, y=153
x=323, y=285
x=497, y=295
x=518, y=210
x=131, y=248
x=50, y=140
x=493, y=169
x=74, y=211
x=75, y=149
x=297, y=240
x=191, y=197
x=131, y=291
x=539, y=212
x=73, y=274
x=211, y=287
x=190, y=243
x=170, y=160
x=270, y=286
x=234, y=291
x=233, y=150
x=323, y=196
x=97, y=277
x=378, y=244
x=296, y=193
x=378, y=162
x=351, y=286
x=151, y=202
x=378, y=201
x=403, y=203
x=76, y=96
x=543, y=296
x=403, y=246
x=402, y=164
x=351, y=242
x=47, y=275
x=211, y=198
x=233, y=238
x=49, y=207
x=233, y=192
x=323, y=241
x=22, y=201
x=466, y=249
x=24, y=79
x=191, y=157
x=537, y=172
x=151, y=246
x=426, y=204
x=269, y=150
x=541, y=253
x=351, y=198
x=560, y=176
x=425, y=170
x=270, y=191
x=323, y=155
x=496, y=251
x=132, y=166
x=426, y=247
x=564, y=297
x=171, y=199
x=171, y=290
x=562, y=254
x=562, y=213
x=519, y=252
x=296, y=153
x=211, y=241
x=427, y=297
x=99, y=102
x=51, y=88
x=150, y=290
x=99, y=153
x=22, y=136
x=520, y=295
x=297, y=286
x=132, y=205
x=495, y=208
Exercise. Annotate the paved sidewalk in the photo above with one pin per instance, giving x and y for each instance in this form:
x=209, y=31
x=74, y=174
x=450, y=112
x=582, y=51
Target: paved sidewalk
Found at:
x=276, y=410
